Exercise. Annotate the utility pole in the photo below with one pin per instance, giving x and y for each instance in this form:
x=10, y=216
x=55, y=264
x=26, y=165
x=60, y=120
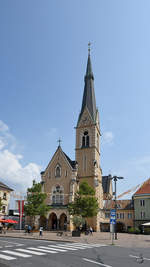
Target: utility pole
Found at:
x=115, y=178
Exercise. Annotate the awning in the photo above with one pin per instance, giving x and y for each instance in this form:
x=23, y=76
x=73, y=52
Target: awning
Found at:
x=146, y=224
x=11, y=221
x=2, y=220
x=7, y=221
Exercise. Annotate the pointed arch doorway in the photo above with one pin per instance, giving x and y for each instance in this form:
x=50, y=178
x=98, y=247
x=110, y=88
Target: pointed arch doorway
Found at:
x=63, y=222
x=52, y=221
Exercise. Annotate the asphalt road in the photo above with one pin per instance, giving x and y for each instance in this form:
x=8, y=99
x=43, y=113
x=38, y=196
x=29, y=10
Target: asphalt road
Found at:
x=17, y=252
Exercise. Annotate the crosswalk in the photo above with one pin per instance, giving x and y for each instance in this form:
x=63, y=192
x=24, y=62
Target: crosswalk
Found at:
x=28, y=252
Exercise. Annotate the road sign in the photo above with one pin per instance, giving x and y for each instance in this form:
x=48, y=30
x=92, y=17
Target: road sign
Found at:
x=113, y=213
x=112, y=221
x=113, y=216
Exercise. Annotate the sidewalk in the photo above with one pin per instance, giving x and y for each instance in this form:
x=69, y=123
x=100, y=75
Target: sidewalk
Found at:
x=124, y=240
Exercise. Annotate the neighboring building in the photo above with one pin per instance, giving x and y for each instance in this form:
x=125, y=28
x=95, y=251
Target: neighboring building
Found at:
x=125, y=215
x=5, y=197
x=107, y=187
x=62, y=176
x=142, y=204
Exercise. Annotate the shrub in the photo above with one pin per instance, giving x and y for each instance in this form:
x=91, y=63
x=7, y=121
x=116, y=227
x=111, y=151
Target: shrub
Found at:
x=133, y=230
x=146, y=231
x=78, y=221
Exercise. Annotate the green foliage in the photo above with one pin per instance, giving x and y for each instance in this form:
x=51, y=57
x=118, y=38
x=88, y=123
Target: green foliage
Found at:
x=133, y=230
x=36, y=201
x=78, y=220
x=85, y=189
x=1, y=204
x=146, y=231
x=85, y=203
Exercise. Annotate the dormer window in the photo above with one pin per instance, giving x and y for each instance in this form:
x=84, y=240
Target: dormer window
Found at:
x=58, y=171
x=85, y=139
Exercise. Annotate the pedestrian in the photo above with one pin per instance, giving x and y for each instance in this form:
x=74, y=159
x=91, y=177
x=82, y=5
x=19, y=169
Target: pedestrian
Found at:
x=29, y=229
x=91, y=230
x=65, y=226
x=4, y=229
x=26, y=229
x=41, y=231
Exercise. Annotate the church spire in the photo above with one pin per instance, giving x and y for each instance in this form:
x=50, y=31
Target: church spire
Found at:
x=88, y=100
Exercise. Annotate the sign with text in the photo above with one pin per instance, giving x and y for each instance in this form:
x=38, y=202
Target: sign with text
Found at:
x=113, y=216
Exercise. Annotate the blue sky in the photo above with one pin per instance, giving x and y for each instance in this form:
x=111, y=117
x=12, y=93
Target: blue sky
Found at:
x=43, y=57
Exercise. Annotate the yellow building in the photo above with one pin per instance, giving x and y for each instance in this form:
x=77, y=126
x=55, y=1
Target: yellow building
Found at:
x=5, y=198
x=125, y=214
x=62, y=175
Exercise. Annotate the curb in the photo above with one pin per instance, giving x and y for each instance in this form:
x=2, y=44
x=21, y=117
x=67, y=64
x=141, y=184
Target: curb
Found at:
x=35, y=238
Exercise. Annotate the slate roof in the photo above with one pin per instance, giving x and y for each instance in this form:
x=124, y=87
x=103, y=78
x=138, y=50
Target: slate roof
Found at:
x=5, y=187
x=106, y=184
x=71, y=162
x=89, y=100
x=144, y=189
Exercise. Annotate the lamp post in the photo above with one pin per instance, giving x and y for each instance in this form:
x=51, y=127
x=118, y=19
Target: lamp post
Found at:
x=115, y=178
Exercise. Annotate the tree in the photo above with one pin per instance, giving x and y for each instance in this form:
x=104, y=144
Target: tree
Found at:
x=35, y=204
x=85, y=203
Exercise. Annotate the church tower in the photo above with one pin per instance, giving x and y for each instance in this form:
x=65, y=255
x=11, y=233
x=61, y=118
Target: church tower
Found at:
x=88, y=142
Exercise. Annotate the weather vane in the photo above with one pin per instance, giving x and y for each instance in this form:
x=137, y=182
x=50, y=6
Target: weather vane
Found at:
x=89, y=47
x=59, y=141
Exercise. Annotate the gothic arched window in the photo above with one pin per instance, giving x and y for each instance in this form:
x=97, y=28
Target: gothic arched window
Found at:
x=58, y=171
x=58, y=195
x=85, y=139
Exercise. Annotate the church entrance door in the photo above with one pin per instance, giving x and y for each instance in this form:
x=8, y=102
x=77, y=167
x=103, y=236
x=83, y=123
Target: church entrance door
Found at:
x=52, y=222
x=63, y=222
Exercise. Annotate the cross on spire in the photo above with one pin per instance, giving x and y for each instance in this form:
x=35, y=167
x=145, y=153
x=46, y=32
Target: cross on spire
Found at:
x=89, y=47
x=59, y=141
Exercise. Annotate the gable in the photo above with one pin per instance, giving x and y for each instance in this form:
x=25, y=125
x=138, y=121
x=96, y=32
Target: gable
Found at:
x=144, y=189
x=85, y=118
x=59, y=160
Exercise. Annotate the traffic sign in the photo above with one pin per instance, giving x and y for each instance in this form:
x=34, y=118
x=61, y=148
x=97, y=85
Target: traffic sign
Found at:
x=112, y=221
x=113, y=216
x=113, y=213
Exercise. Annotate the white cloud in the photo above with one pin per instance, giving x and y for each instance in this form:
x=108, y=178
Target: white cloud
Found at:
x=2, y=144
x=107, y=138
x=3, y=127
x=6, y=138
x=11, y=169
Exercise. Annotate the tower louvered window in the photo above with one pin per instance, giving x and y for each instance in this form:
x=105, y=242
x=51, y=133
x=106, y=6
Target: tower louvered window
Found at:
x=85, y=140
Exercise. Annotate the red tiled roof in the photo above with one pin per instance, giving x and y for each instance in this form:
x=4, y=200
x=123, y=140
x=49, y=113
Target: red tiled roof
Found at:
x=144, y=189
x=126, y=204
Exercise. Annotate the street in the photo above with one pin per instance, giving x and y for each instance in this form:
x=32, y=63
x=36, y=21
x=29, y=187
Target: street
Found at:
x=15, y=252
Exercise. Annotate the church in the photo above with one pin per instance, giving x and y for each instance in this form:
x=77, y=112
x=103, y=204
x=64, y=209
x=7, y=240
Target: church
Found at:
x=62, y=176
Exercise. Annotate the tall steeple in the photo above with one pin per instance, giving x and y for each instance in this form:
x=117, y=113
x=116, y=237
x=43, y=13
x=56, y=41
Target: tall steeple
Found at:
x=88, y=100
x=88, y=142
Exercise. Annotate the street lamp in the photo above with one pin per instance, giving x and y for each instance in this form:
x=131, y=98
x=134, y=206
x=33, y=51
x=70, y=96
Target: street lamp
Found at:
x=115, y=178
